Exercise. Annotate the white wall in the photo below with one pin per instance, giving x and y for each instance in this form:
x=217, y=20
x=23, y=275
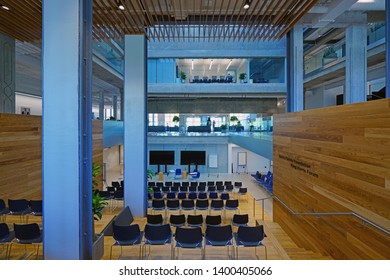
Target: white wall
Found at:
x=28, y=101
x=254, y=162
x=111, y=158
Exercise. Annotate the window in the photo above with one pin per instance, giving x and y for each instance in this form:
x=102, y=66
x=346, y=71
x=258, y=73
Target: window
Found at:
x=193, y=121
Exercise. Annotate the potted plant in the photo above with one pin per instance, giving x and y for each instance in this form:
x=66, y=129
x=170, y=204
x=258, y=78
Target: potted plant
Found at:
x=183, y=76
x=223, y=127
x=176, y=119
x=242, y=77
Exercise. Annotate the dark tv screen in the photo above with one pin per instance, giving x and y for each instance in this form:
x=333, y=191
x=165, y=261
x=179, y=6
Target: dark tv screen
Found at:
x=161, y=157
x=193, y=157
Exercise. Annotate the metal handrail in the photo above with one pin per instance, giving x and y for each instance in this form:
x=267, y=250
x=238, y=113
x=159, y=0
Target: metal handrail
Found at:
x=316, y=213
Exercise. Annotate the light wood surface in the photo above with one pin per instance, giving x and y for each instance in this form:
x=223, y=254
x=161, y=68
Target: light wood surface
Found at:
x=335, y=159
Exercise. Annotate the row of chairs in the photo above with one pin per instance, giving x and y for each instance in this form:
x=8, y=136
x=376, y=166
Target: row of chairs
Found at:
x=194, y=184
x=23, y=234
x=20, y=207
x=266, y=180
x=193, y=188
x=200, y=204
x=188, y=238
x=193, y=195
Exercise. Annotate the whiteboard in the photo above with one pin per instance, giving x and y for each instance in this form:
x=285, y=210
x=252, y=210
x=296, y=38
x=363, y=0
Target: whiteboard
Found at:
x=241, y=158
x=213, y=161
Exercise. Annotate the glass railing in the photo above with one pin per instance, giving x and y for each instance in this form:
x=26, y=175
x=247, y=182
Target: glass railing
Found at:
x=325, y=56
x=376, y=32
x=111, y=53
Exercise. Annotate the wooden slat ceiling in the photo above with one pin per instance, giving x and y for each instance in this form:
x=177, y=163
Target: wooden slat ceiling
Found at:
x=169, y=19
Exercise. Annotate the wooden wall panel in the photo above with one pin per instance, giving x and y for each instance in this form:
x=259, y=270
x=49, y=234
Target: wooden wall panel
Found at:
x=20, y=157
x=335, y=159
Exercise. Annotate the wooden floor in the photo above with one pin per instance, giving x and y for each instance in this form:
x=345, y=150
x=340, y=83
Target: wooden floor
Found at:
x=279, y=244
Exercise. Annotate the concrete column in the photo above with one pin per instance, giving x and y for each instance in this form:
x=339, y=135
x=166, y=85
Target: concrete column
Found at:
x=135, y=124
x=356, y=64
x=101, y=105
x=115, y=106
x=387, y=49
x=295, y=69
x=7, y=74
x=67, y=125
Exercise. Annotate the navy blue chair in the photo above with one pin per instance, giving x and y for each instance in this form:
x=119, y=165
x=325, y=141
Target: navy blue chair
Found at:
x=202, y=204
x=213, y=220
x=219, y=236
x=157, y=236
x=3, y=210
x=182, y=195
x=154, y=219
x=192, y=195
x=224, y=196
x=201, y=188
x=213, y=195
x=187, y=204
x=240, y=220
x=36, y=208
x=202, y=195
x=194, y=220
x=250, y=237
x=159, y=205
x=177, y=220
x=171, y=195
x=173, y=204
x=26, y=234
x=127, y=235
x=158, y=195
x=6, y=237
x=18, y=207
x=188, y=238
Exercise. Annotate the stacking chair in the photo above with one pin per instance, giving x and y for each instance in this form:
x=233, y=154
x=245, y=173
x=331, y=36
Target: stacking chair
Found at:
x=219, y=236
x=192, y=195
x=231, y=205
x=151, y=184
x=27, y=234
x=229, y=188
x=182, y=195
x=213, y=220
x=194, y=220
x=177, y=220
x=173, y=204
x=219, y=183
x=174, y=189
x=202, y=184
x=210, y=183
x=228, y=183
x=115, y=184
x=165, y=189
x=192, y=189
x=237, y=185
x=213, y=195
x=202, y=195
x=202, y=204
x=111, y=190
x=159, y=205
x=194, y=184
x=36, y=209
x=177, y=184
x=6, y=237
x=157, y=235
x=185, y=184
x=3, y=210
x=159, y=184
x=216, y=205
x=154, y=219
x=187, y=204
x=188, y=238
x=243, y=192
x=158, y=195
x=18, y=207
x=250, y=237
x=168, y=184
x=171, y=195
x=127, y=235
x=201, y=188
x=211, y=188
x=156, y=189
x=183, y=189
x=220, y=188
x=240, y=220
x=224, y=196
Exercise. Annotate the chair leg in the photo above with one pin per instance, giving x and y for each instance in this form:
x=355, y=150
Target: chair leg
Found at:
x=111, y=252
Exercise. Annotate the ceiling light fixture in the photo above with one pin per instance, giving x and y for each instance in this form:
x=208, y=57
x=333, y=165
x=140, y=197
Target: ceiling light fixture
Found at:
x=246, y=6
x=120, y=6
x=211, y=64
x=4, y=7
x=227, y=67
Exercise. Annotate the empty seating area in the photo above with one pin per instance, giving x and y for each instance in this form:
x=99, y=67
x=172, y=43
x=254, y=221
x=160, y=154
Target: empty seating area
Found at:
x=265, y=180
x=212, y=79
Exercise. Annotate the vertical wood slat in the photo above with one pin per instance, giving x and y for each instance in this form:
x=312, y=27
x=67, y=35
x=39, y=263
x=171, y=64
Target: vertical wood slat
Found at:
x=335, y=159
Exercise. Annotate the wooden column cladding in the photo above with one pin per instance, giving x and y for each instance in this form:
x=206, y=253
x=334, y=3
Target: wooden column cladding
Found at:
x=97, y=148
x=335, y=159
x=21, y=155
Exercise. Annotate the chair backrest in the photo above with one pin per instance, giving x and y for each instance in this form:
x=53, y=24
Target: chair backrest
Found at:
x=2, y=205
x=195, y=220
x=126, y=232
x=219, y=234
x=194, y=184
x=216, y=203
x=213, y=195
x=185, y=184
x=105, y=194
x=115, y=184
x=158, y=203
x=4, y=231
x=219, y=183
x=211, y=188
x=156, y=219
x=201, y=188
x=159, y=184
x=177, y=184
x=202, y=195
x=118, y=194
x=237, y=184
x=189, y=235
x=224, y=196
x=231, y=203
x=183, y=189
x=171, y=195
x=251, y=234
x=173, y=203
x=27, y=231
x=192, y=195
x=182, y=195
x=151, y=184
x=17, y=205
x=192, y=188
x=111, y=189
x=213, y=220
x=156, y=189
x=240, y=219
x=242, y=190
x=202, y=203
x=202, y=184
x=165, y=189
x=36, y=206
x=174, y=189
x=160, y=232
x=210, y=183
x=220, y=188
x=187, y=203
x=177, y=219
x=228, y=183
x=168, y=183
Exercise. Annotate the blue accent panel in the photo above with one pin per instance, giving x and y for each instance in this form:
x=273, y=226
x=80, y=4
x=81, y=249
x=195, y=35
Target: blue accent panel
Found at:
x=112, y=133
x=262, y=147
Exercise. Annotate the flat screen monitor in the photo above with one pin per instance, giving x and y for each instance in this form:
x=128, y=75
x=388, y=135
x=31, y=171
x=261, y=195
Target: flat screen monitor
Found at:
x=193, y=157
x=161, y=157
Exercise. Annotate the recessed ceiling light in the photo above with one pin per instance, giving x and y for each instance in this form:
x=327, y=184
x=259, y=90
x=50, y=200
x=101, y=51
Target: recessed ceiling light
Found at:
x=120, y=6
x=246, y=6
x=4, y=7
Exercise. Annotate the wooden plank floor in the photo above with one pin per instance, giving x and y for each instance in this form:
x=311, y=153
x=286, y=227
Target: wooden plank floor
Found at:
x=279, y=244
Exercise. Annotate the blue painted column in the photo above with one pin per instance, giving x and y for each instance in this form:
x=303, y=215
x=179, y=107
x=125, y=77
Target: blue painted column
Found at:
x=356, y=64
x=295, y=69
x=387, y=49
x=7, y=74
x=135, y=124
x=67, y=123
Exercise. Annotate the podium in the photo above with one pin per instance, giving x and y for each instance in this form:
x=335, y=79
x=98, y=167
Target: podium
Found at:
x=184, y=174
x=160, y=176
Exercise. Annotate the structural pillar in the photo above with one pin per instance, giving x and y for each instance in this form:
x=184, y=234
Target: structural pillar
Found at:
x=7, y=74
x=115, y=106
x=135, y=124
x=295, y=69
x=387, y=5
x=356, y=64
x=101, y=105
x=67, y=129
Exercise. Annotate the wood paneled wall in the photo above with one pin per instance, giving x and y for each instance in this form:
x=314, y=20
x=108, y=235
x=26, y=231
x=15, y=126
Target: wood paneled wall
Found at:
x=21, y=155
x=335, y=159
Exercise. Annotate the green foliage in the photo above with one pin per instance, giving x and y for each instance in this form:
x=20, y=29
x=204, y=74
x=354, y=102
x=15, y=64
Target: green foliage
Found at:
x=150, y=175
x=223, y=126
x=98, y=202
x=96, y=171
x=176, y=119
x=233, y=119
x=242, y=76
x=183, y=75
